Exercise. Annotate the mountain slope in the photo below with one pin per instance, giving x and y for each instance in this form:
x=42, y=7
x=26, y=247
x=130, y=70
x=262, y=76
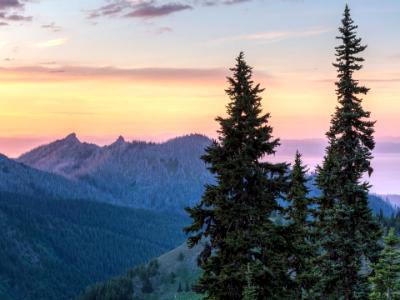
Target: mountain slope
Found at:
x=51, y=249
x=168, y=277
x=18, y=178
x=167, y=176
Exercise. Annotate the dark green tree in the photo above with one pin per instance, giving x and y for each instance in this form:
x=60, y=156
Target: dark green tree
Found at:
x=234, y=215
x=115, y=289
x=187, y=287
x=147, y=287
x=385, y=279
x=299, y=214
x=180, y=290
x=347, y=230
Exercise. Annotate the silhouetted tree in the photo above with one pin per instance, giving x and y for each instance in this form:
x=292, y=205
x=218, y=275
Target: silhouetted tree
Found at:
x=299, y=214
x=234, y=214
x=347, y=230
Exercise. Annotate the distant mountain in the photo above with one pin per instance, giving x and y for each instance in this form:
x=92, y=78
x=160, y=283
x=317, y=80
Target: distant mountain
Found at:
x=18, y=178
x=51, y=249
x=166, y=176
x=394, y=200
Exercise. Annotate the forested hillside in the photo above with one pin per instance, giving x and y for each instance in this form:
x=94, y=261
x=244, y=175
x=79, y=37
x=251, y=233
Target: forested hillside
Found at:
x=52, y=249
x=170, y=276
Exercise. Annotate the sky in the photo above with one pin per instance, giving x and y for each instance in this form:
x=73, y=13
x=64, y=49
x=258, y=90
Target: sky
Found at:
x=155, y=69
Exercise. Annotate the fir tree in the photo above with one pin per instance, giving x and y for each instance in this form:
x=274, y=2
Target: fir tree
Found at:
x=180, y=290
x=347, y=230
x=234, y=214
x=303, y=251
x=385, y=279
x=187, y=287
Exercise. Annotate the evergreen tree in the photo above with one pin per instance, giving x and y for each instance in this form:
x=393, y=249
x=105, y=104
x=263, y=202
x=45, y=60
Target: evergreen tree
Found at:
x=180, y=288
x=234, y=214
x=147, y=287
x=385, y=279
x=347, y=230
x=187, y=287
x=303, y=251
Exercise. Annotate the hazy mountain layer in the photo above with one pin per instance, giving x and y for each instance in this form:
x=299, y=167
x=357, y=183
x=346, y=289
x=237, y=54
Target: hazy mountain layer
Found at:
x=167, y=176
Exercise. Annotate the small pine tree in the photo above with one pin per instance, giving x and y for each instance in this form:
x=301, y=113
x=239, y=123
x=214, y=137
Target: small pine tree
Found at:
x=385, y=279
x=303, y=250
x=147, y=287
x=180, y=288
x=348, y=233
x=187, y=287
x=234, y=214
x=181, y=257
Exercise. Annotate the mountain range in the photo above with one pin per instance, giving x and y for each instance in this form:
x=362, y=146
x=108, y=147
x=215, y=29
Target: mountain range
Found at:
x=166, y=176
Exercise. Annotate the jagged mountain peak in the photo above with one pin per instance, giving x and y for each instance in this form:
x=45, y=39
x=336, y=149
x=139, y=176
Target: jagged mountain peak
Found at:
x=120, y=141
x=71, y=137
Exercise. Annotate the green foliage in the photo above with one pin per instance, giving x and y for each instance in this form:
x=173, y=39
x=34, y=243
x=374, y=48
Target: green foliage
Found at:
x=180, y=290
x=385, y=279
x=301, y=232
x=234, y=213
x=164, y=281
x=348, y=234
x=115, y=289
x=390, y=222
x=181, y=257
x=250, y=290
x=147, y=287
x=52, y=249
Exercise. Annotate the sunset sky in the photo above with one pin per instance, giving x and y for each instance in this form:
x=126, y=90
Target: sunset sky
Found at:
x=154, y=69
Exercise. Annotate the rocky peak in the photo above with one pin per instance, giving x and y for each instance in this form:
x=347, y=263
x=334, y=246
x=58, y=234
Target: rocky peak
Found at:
x=71, y=138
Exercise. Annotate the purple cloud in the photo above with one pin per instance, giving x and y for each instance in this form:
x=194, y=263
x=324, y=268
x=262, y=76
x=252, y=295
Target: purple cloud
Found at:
x=9, y=11
x=148, y=10
x=6, y=4
x=14, y=17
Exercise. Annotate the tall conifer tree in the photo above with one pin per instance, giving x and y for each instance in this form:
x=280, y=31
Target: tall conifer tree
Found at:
x=234, y=215
x=347, y=230
x=303, y=250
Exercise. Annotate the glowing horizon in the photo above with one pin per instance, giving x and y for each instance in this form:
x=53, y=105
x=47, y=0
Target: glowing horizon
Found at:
x=154, y=74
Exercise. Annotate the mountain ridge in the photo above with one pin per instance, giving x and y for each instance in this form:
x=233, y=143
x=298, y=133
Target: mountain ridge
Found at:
x=160, y=176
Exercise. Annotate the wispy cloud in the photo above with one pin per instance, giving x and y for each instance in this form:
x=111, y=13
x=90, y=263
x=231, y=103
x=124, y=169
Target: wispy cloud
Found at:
x=274, y=36
x=149, y=10
x=51, y=43
x=223, y=2
x=10, y=11
x=52, y=26
x=71, y=73
x=144, y=9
